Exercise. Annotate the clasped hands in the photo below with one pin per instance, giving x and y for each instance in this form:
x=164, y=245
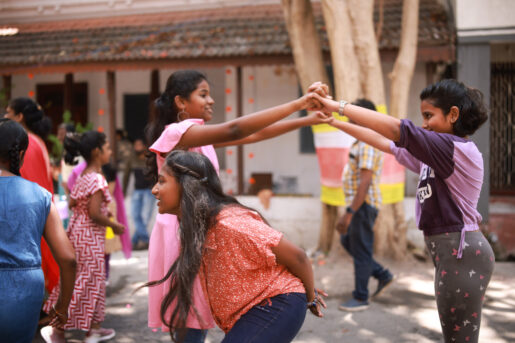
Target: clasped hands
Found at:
x=319, y=101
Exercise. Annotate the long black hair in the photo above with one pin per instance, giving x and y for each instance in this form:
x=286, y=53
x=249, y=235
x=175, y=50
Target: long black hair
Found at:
x=14, y=140
x=181, y=83
x=33, y=116
x=447, y=93
x=84, y=144
x=201, y=201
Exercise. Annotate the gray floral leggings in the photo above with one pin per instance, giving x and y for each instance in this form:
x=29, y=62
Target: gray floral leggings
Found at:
x=460, y=284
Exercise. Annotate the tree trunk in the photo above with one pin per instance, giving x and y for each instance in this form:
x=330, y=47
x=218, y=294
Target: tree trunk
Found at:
x=391, y=228
x=309, y=63
x=405, y=63
x=305, y=43
x=361, y=13
x=346, y=67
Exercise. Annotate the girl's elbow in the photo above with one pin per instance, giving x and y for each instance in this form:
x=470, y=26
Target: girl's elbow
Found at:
x=302, y=258
x=68, y=261
x=72, y=263
x=234, y=132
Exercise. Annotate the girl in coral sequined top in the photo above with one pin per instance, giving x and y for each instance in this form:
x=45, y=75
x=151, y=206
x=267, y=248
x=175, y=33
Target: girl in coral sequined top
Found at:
x=258, y=284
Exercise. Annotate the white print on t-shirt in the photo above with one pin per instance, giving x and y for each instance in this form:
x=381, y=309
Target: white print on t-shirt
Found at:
x=425, y=192
x=426, y=172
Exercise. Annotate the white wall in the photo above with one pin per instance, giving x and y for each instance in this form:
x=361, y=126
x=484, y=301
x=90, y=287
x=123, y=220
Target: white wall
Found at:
x=271, y=86
x=484, y=14
x=299, y=219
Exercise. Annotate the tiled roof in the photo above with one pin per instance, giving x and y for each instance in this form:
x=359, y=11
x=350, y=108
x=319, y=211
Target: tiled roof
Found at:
x=216, y=33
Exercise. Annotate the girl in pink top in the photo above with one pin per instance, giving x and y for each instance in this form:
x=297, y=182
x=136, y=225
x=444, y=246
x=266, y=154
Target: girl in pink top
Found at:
x=182, y=110
x=259, y=285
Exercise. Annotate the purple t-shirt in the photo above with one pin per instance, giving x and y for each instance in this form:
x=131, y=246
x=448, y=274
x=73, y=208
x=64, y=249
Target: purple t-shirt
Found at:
x=450, y=178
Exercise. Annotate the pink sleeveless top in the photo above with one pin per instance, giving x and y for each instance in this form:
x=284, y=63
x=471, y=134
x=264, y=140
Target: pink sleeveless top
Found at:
x=164, y=240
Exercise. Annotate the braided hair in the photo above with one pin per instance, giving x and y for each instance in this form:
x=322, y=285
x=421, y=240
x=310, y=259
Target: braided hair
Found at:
x=14, y=141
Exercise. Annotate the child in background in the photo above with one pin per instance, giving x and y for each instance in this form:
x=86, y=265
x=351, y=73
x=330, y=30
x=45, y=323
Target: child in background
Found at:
x=142, y=200
x=259, y=285
x=451, y=175
x=88, y=198
x=26, y=214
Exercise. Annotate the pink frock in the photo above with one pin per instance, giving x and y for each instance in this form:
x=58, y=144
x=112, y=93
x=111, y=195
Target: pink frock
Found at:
x=88, y=239
x=164, y=241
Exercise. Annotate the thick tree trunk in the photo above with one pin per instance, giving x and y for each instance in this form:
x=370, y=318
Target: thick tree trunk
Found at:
x=390, y=229
x=309, y=63
x=391, y=226
x=305, y=42
x=346, y=67
x=361, y=13
x=405, y=63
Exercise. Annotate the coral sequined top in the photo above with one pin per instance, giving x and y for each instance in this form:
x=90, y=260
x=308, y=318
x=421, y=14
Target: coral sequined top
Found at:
x=239, y=269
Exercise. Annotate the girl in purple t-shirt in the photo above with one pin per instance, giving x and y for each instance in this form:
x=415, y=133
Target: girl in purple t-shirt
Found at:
x=450, y=169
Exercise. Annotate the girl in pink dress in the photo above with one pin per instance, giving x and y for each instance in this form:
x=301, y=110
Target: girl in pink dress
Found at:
x=89, y=198
x=182, y=109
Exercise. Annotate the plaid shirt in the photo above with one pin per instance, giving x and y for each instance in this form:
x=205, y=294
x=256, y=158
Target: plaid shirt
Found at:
x=363, y=156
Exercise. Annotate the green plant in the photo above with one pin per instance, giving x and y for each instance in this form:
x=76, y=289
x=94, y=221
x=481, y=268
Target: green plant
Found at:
x=56, y=150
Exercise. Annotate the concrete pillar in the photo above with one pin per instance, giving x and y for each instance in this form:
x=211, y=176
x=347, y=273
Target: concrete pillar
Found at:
x=474, y=71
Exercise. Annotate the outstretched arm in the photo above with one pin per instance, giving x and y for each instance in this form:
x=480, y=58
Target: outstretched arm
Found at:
x=280, y=128
x=64, y=255
x=383, y=124
x=199, y=135
x=364, y=134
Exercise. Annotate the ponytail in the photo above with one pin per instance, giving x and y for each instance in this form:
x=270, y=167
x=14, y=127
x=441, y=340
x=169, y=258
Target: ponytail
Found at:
x=181, y=83
x=33, y=116
x=75, y=145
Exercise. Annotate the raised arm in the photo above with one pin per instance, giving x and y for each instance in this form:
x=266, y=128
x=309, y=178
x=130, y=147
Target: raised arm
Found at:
x=199, y=135
x=383, y=124
x=364, y=134
x=280, y=128
x=64, y=254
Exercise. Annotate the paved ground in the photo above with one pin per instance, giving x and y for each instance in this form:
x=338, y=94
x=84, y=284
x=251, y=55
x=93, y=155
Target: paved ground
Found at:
x=406, y=312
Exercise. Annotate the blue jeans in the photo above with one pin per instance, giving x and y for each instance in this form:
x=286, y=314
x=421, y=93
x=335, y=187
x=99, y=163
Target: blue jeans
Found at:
x=194, y=336
x=359, y=242
x=277, y=319
x=142, y=206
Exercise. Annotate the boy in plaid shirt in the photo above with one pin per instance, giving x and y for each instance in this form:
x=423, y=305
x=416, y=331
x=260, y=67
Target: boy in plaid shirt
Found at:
x=361, y=187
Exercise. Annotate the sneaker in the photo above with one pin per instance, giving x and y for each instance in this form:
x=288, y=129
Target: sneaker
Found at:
x=51, y=335
x=382, y=284
x=99, y=335
x=354, y=305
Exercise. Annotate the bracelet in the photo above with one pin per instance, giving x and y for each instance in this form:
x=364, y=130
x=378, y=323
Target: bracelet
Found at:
x=350, y=210
x=314, y=302
x=57, y=313
x=342, y=105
